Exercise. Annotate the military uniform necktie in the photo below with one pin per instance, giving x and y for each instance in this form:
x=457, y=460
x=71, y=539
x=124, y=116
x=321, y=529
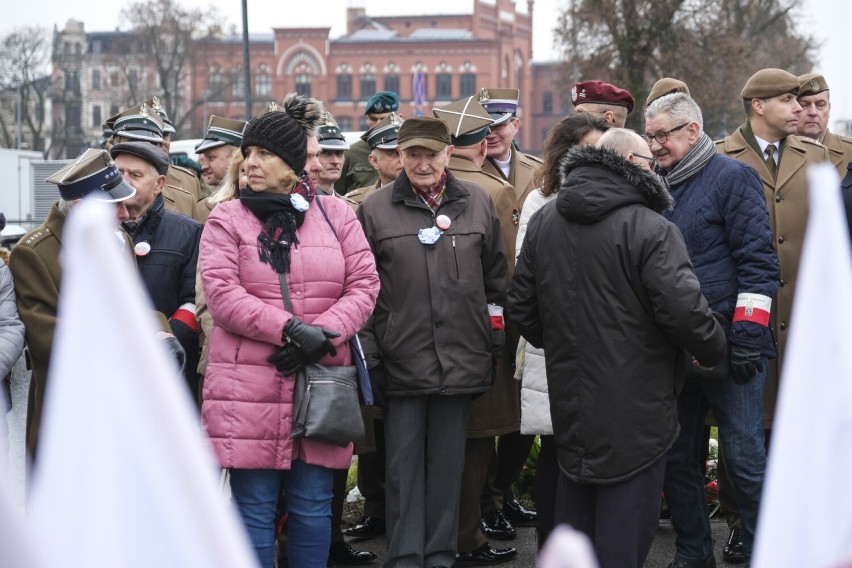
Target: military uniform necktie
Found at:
x=770, y=160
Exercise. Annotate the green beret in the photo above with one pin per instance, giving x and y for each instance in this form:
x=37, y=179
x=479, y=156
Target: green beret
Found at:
x=768, y=83
x=382, y=102
x=811, y=84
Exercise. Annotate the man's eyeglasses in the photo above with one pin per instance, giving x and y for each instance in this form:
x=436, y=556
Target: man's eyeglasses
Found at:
x=650, y=160
x=662, y=137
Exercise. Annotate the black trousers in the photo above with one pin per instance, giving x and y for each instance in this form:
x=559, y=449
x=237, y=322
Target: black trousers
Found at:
x=508, y=458
x=621, y=519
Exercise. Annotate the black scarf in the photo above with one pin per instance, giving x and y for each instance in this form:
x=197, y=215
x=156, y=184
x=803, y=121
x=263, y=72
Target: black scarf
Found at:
x=279, y=220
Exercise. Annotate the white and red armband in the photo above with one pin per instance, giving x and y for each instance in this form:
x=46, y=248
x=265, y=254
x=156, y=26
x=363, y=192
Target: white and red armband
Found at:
x=186, y=315
x=496, y=314
x=753, y=308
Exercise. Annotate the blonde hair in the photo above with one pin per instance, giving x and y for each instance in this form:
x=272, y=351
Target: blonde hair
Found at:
x=229, y=187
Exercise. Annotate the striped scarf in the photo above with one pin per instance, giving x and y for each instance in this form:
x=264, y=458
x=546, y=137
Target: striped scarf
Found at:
x=691, y=164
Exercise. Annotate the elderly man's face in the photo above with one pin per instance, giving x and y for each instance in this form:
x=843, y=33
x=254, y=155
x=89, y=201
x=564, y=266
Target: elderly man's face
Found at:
x=424, y=166
x=215, y=164
x=679, y=141
x=387, y=163
x=500, y=139
x=141, y=175
x=813, y=120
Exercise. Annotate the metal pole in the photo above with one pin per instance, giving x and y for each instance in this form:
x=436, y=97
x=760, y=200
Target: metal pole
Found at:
x=246, y=63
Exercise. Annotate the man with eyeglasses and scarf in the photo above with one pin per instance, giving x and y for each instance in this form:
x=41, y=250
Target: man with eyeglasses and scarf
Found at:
x=720, y=210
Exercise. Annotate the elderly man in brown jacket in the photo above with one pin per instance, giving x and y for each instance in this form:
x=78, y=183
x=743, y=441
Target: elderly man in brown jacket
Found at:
x=437, y=325
x=813, y=120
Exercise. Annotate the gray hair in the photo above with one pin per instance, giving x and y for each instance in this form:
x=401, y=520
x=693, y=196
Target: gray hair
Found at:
x=680, y=106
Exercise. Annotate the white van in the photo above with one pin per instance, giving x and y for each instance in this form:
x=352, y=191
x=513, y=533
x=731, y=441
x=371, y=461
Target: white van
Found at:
x=184, y=148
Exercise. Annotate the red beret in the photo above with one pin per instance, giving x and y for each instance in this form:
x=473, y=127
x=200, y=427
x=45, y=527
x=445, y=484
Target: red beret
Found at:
x=601, y=93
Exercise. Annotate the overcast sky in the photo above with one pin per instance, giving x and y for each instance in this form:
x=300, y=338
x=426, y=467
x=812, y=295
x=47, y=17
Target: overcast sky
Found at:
x=829, y=19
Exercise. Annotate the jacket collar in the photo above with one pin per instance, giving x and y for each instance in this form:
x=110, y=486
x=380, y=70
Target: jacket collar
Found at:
x=403, y=192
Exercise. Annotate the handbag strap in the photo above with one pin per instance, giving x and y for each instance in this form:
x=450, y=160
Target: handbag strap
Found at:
x=327, y=220
x=285, y=293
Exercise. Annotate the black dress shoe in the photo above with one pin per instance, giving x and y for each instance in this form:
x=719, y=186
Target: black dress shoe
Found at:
x=497, y=526
x=343, y=554
x=733, y=552
x=519, y=515
x=485, y=555
x=366, y=527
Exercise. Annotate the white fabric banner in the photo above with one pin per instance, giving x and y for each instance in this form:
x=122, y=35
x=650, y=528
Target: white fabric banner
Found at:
x=123, y=476
x=806, y=511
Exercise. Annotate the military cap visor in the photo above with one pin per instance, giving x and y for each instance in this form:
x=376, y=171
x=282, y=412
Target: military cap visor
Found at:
x=221, y=132
x=93, y=174
x=331, y=138
x=501, y=104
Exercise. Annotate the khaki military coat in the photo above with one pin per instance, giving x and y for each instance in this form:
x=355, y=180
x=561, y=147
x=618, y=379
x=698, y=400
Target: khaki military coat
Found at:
x=498, y=411
x=177, y=197
x=522, y=170
x=357, y=196
x=839, y=151
x=787, y=201
x=357, y=170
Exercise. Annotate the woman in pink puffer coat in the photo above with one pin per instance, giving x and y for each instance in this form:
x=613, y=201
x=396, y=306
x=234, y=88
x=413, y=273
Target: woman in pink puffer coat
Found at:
x=277, y=227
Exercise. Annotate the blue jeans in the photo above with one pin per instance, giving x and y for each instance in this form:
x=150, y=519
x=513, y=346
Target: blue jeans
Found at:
x=738, y=409
x=307, y=491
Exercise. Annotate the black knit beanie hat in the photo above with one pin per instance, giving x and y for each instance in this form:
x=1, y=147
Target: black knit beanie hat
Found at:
x=285, y=132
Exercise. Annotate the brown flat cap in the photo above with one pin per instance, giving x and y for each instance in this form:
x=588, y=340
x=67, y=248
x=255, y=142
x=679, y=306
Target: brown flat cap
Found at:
x=666, y=86
x=811, y=84
x=425, y=131
x=599, y=92
x=770, y=82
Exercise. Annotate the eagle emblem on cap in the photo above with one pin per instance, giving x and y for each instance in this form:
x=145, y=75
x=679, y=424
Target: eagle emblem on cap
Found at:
x=814, y=84
x=574, y=94
x=483, y=94
x=143, y=109
x=155, y=103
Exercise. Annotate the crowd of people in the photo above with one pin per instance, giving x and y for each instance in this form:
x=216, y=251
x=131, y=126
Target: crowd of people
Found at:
x=605, y=299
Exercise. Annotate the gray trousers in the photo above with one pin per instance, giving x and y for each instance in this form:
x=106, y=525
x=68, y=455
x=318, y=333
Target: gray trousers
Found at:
x=425, y=440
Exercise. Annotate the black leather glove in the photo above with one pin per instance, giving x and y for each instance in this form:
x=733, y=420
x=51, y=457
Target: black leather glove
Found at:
x=288, y=360
x=745, y=363
x=311, y=340
x=176, y=349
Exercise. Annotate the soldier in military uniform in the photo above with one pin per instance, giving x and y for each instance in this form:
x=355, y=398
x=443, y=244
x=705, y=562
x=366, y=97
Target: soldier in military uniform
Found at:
x=357, y=171
x=178, y=176
x=141, y=122
x=496, y=412
x=383, y=156
x=500, y=508
x=332, y=145
x=767, y=142
x=813, y=120
x=37, y=272
x=609, y=102
x=221, y=141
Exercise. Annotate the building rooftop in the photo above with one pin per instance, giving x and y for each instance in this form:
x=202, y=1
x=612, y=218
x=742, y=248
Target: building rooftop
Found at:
x=420, y=34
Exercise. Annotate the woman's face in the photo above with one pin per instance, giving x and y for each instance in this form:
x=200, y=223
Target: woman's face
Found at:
x=243, y=176
x=265, y=171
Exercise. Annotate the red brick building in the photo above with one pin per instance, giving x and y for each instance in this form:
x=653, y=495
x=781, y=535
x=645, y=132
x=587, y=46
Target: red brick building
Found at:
x=454, y=56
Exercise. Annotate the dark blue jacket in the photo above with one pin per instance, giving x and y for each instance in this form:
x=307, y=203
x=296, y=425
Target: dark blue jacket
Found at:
x=722, y=214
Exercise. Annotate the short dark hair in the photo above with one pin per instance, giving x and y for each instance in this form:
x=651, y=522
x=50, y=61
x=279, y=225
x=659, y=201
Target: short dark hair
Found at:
x=566, y=134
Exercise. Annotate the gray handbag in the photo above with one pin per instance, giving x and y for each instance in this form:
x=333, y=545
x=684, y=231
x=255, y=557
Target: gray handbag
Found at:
x=326, y=407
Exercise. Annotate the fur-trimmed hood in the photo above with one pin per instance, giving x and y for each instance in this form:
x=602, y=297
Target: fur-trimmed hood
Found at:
x=596, y=181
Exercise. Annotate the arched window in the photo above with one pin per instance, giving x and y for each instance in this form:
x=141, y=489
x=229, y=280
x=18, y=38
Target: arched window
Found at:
x=238, y=85
x=443, y=82
x=344, y=82
x=368, y=81
x=467, y=79
x=216, y=82
x=263, y=81
x=391, y=82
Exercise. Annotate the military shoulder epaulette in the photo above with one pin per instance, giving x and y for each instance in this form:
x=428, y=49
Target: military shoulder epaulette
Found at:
x=496, y=178
x=534, y=158
x=33, y=238
x=811, y=141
